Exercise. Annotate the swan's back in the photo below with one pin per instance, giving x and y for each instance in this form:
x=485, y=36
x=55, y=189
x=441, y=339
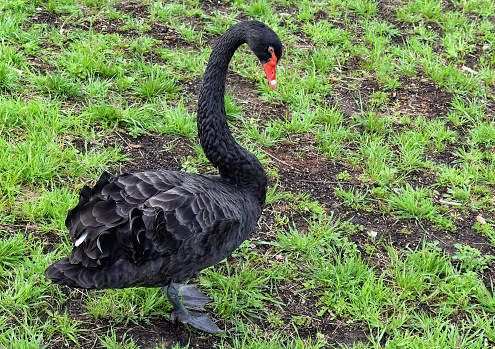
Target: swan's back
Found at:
x=150, y=228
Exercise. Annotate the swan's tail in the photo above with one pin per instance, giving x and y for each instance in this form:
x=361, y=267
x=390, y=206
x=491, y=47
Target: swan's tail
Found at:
x=121, y=274
x=63, y=272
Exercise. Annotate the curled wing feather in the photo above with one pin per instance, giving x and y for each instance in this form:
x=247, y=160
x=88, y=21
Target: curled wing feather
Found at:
x=167, y=216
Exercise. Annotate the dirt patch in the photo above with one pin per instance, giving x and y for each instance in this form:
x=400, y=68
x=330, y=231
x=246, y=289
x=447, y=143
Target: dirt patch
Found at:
x=45, y=17
x=151, y=152
x=421, y=97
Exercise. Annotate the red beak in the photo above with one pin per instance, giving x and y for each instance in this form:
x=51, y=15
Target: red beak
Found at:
x=270, y=71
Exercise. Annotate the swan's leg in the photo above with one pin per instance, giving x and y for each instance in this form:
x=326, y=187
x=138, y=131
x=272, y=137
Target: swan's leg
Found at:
x=192, y=298
x=202, y=322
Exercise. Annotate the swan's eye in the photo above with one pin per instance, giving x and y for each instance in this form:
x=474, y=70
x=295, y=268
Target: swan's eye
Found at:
x=270, y=49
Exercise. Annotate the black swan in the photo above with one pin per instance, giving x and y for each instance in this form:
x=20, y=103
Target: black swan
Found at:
x=160, y=228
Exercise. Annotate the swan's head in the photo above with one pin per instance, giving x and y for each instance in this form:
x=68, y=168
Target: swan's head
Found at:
x=266, y=45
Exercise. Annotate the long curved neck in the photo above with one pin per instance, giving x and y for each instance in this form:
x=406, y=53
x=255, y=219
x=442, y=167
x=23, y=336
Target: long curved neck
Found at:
x=233, y=161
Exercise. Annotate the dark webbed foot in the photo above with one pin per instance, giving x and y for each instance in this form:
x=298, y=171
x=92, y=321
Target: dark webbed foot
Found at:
x=193, y=299
x=202, y=322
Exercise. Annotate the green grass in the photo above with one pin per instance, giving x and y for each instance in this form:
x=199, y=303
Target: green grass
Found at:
x=379, y=143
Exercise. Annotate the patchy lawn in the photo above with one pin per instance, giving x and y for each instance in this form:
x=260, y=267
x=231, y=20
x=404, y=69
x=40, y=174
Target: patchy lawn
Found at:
x=379, y=142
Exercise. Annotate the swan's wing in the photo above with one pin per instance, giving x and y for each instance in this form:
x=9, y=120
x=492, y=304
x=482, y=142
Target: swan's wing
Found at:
x=151, y=215
x=110, y=201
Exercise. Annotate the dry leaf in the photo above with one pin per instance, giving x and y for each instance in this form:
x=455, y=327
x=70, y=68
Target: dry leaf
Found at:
x=481, y=220
x=135, y=145
x=450, y=203
x=18, y=71
x=469, y=70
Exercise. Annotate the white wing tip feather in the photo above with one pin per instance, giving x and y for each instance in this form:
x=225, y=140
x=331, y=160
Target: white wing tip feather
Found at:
x=81, y=238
